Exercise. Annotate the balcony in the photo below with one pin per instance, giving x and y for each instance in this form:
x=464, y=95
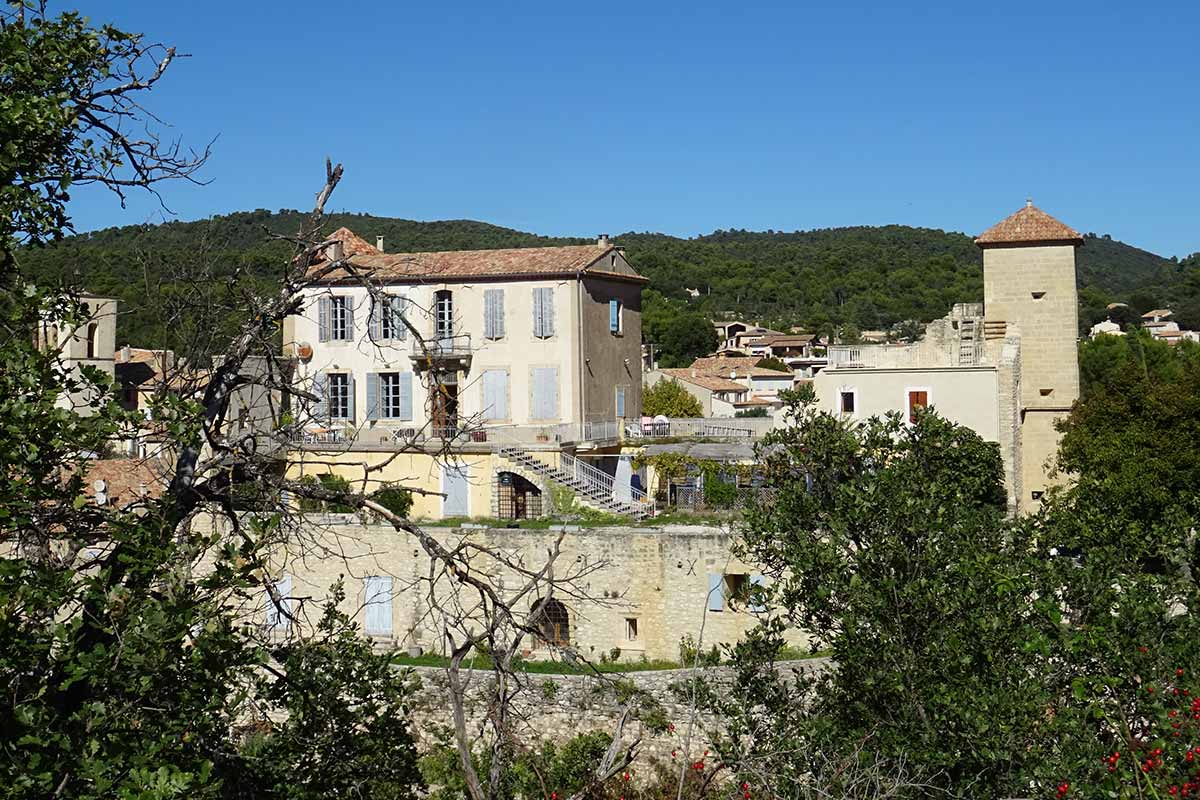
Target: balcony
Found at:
x=442, y=353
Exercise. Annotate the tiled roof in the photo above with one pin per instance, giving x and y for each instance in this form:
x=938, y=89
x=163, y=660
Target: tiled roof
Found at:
x=718, y=365
x=127, y=480
x=1158, y=312
x=1027, y=226
x=454, y=264
x=711, y=382
x=785, y=340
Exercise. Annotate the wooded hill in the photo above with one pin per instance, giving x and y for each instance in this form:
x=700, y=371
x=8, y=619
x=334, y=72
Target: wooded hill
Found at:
x=864, y=277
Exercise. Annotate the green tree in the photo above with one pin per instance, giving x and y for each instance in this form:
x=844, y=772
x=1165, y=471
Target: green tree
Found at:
x=686, y=338
x=889, y=543
x=669, y=399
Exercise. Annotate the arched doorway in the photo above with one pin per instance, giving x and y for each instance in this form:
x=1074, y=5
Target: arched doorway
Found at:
x=552, y=622
x=518, y=498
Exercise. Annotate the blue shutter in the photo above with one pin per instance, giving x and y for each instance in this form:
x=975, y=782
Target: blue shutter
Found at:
x=455, y=486
x=406, y=400
x=548, y=312
x=350, y=319
x=373, y=396
x=545, y=393
x=376, y=319
x=277, y=615
x=495, y=394
x=716, y=592
x=756, y=603
x=320, y=409
x=378, y=604
x=620, y=401
x=499, y=313
x=614, y=316
x=323, y=313
x=350, y=399
x=538, y=316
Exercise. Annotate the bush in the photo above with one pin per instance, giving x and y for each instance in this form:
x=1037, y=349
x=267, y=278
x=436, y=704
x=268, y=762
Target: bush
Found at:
x=771, y=362
x=670, y=399
x=752, y=413
x=395, y=499
x=330, y=482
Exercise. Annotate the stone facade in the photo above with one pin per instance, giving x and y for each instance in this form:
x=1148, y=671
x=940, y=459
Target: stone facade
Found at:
x=658, y=578
x=1033, y=287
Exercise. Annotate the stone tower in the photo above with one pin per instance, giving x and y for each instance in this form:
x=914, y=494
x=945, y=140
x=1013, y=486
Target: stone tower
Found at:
x=1029, y=282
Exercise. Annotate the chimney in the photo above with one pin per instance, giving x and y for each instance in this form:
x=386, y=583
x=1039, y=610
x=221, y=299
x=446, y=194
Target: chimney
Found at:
x=125, y=355
x=1029, y=202
x=602, y=240
x=379, y=243
x=336, y=251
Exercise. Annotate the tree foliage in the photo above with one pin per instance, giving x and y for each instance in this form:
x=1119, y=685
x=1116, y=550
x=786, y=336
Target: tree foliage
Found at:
x=670, y=399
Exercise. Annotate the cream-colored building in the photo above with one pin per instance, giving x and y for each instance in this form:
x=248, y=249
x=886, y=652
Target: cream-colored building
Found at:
x=1008, y=368
x=88, y=343
x=463, y=359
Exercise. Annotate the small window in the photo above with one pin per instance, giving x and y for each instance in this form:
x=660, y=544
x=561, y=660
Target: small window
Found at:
x=620, y=402
x=631, y=629
x=917, y=398
x=615, y=317
x=1045, y=392
x=847, y=401
x=1036, y=495
x=1038, y=295
x=737, y=585
x=93, y=340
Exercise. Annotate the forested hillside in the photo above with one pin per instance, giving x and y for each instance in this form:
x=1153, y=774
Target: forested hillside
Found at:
x=861, y=277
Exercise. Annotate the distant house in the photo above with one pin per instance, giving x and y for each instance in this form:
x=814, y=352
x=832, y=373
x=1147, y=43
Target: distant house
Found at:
x=1106, y=328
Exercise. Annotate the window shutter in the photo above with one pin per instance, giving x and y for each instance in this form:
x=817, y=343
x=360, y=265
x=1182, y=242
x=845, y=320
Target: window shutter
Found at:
x=489, y=314
x=406, y=400
x=495, y=394
x=500, y=314
x=373, y=395
x=756, y=604
x=350, y=319
x=548, y=312
x=620, y=401
x=320, y=409
x=277, y=615
x=376, y=319
x=538, y=316
x=350, y=398
x=614, y=316
x=398, y=308
x=323, y=313
x=378, y=604
x=545, y=393
x=716, y=592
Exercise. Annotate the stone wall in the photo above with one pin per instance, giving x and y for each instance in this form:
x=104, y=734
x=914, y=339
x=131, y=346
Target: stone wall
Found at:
x=645, y=587
x=559, y=707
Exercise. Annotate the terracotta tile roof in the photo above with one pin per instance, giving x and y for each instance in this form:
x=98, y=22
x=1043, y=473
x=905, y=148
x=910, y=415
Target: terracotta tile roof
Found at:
x=1027, y=226
x=722, y=365
x=1158, y=312
x=127, y=480
x=785, y=340
x=711, y=382
x=530, y=262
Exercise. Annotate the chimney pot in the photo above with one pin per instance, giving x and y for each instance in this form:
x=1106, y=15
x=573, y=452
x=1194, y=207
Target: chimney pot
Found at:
x=1029, y=202
x=602, y=240
x=379, y=243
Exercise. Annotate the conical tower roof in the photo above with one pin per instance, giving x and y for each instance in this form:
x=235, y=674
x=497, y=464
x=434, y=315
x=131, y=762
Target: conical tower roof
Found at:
x=1028, y=226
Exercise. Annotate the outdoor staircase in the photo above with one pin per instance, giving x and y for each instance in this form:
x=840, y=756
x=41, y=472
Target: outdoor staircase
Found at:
x=592, y=486
x=968, y=343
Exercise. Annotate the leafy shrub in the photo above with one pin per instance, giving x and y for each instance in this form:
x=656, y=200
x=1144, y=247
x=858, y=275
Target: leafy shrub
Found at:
x=395, y=499
x=330, y=482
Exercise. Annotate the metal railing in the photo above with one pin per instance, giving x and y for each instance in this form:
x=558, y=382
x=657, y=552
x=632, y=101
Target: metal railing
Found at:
x=889, y=355
x=596, y=479
x=601, y=430
x=449, y=346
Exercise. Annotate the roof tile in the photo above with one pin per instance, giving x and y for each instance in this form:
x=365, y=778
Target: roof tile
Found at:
x=1028, y=225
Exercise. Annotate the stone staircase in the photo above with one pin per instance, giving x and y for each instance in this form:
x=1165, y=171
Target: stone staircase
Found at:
x=592, y=487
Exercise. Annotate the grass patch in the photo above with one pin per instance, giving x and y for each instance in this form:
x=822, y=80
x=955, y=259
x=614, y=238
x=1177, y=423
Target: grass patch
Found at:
x=484, y=662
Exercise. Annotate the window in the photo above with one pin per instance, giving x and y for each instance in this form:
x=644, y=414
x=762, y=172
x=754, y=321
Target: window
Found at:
x=443, y=305
x=378, y=605
x=848, y=401
x=545, y=393
x=1038, y=295
x=495, y=394
x=620, y=402
x=493, y=314
x=552, y=622
x=631, y=629
x=93, y=340
x=389, y=395
x=916, y=398
x=543, y=312
x=736, y=585
x=716, y=592
x=335, y=318
x=615, y=317
x=387, y=318
x=278, y=615
x=339, y=395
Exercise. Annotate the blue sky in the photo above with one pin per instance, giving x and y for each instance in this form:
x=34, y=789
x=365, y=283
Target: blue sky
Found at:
x=686, y=117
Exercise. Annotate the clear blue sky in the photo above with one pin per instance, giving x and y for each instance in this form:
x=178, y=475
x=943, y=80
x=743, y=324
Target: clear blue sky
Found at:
x=687, y=117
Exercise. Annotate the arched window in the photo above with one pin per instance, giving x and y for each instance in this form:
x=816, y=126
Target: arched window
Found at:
x=552, y=622
x=93, y=340
x=518, y=498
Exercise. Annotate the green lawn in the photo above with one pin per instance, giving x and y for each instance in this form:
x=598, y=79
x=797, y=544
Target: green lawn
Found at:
x=562, y=668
